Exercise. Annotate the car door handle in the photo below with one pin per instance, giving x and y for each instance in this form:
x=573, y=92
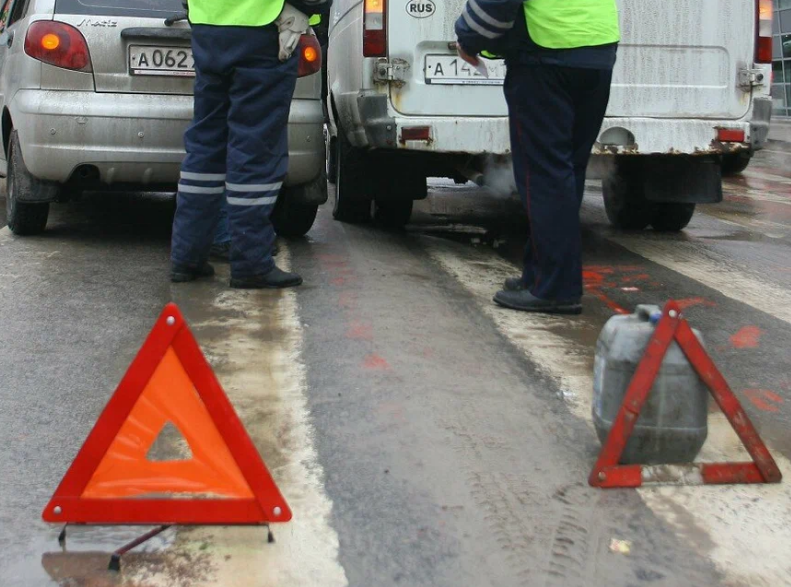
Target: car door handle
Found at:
x=10, y=39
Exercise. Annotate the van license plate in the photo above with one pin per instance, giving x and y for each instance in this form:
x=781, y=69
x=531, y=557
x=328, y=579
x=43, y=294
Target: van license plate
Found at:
x=451, y=69
x=172, y=61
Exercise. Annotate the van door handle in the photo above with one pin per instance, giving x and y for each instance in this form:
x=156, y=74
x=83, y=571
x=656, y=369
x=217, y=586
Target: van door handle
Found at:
x=10, y=40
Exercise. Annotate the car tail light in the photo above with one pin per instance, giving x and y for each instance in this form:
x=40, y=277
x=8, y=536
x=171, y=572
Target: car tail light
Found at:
x=309, y=55
x=763, y=31
x=375, y=28
x=58, y=44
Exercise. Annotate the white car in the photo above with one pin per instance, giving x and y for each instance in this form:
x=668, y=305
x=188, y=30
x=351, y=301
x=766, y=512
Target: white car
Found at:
x=96, y=95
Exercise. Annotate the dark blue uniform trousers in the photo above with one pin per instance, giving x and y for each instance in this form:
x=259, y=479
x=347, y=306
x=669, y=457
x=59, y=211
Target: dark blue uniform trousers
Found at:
x=556, y=113
x=237, y=146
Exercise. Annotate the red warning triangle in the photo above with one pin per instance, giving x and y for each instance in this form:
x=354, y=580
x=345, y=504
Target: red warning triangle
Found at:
x=608, y=473
x=112, y=480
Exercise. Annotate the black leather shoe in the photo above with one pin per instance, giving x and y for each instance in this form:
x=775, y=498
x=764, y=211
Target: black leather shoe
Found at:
x=526, y=302
x=514, y=284
x=181, y=274
x=275, y=279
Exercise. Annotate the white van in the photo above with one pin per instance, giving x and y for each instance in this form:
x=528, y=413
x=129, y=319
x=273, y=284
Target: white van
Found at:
x=690, y=96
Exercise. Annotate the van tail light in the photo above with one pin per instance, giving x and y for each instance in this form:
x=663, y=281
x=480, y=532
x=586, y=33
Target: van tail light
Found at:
x=763, y=31
x=375, y=28
x=309, y=55
x=58, y=44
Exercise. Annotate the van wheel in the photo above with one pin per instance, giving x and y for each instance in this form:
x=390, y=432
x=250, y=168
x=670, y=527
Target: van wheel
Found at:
x=624, y=198
x=393, y=213
x=24, y=218
x=331, y=156
x=736, y=163
x=352, y=203
x=672, y=217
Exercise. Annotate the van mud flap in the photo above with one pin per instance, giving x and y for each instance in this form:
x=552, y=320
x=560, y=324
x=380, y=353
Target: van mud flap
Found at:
x=689, y=180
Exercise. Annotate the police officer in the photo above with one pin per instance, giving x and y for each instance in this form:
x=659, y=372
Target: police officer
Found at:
x=237, y=144
x=559, y=55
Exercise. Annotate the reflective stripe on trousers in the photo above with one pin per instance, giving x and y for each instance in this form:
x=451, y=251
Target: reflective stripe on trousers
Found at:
x=237, y=146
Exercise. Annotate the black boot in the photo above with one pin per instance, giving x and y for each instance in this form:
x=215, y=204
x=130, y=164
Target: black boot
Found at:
x=514, y=284
x=182, y=274
x=525, y=301
x=275, y=279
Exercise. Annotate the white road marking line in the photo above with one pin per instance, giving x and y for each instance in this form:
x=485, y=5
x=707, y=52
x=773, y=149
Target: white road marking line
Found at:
x=264, y=375
x=751, y=173
x=712, y=270
x=745, y=524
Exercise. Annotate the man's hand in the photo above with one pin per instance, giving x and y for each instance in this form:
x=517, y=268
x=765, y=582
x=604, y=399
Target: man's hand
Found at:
x=471, y=59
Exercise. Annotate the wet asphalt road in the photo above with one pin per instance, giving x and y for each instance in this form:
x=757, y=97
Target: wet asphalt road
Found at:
x=421, y=435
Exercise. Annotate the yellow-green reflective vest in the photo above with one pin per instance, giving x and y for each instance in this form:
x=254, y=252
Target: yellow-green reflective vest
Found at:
x=568, y=24
x=315, y=20
x=235, y=12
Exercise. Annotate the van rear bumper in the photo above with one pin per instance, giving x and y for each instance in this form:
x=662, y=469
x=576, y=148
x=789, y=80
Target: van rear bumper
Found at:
x=674, y=136
x=384, y=129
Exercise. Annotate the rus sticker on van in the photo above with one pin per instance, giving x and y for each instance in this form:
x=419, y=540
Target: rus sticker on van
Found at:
x=422, y=9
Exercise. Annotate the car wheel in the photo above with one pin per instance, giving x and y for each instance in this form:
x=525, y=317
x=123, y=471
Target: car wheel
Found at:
x=352, y=202
x=296, y=208
x=624, y=197
x=672, y=216
x=393, y=213
x=331, y=156
x=24, y=218
x=736, y=162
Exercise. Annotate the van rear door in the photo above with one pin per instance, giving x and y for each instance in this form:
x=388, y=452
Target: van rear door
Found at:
x=438, y=82
x=681, y=59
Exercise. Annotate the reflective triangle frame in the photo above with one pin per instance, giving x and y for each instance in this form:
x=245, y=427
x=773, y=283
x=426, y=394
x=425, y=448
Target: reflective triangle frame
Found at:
x=607, y=473
x=266, y=506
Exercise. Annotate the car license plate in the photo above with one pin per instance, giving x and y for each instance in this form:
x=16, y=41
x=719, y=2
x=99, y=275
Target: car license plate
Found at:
x=451, y=69
x=173, y=61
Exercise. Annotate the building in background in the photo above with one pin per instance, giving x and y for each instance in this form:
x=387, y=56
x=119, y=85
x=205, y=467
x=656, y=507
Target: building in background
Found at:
x=781, y=59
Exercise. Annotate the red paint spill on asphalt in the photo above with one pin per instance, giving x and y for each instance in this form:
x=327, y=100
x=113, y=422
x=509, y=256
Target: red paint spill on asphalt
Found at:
x=747, y=338
x=375, y=362
x=764, y=399
x=685, y=303
x=360, y=331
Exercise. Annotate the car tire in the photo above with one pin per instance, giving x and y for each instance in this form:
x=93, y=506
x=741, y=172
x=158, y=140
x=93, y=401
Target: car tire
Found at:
x=23, y=218
x=352, y=201
x=295, y=213
x=672, y=216
x=393, y=213
x=735, y=163
x=624, y=197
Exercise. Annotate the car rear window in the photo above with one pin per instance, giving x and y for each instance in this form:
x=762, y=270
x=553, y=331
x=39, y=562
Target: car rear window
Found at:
x=155, y=8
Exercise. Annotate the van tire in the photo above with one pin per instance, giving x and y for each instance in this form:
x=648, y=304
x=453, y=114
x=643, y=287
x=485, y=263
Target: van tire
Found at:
x=23, y=218
x=393, y=213
x=352, y=202
x=672, y=216
x=624, y=197
x=331, y=158
x=735, y=163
